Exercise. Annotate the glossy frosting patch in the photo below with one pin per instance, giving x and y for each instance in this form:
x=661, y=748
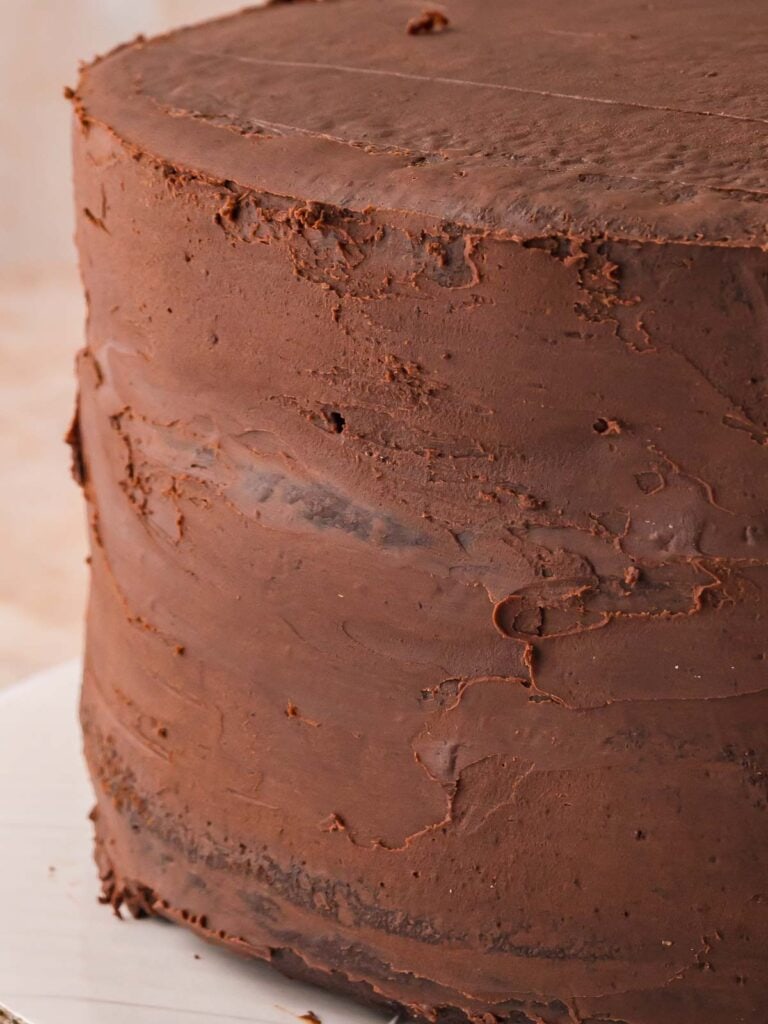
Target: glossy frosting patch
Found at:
x=423, y=427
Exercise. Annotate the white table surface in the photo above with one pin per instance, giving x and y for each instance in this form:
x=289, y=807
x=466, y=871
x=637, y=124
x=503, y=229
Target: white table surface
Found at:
x=64, y=958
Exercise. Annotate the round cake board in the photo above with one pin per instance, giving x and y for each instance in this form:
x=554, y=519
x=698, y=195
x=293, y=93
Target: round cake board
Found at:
x=64, y=958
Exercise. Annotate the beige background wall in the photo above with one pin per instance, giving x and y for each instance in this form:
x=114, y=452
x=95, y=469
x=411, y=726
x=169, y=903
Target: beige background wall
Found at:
x=42, y=548
x=40, y=47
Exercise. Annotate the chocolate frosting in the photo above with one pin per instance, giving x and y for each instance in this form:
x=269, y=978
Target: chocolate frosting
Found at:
x=423, y=429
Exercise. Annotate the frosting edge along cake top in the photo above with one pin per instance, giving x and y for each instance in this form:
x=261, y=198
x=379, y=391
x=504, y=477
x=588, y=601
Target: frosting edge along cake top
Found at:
x=634, y=121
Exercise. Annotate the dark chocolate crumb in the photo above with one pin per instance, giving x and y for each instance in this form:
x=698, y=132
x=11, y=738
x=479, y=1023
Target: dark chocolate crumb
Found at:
x=333, y=823
x=427, y=22
x=605, y=426
x=631, y=576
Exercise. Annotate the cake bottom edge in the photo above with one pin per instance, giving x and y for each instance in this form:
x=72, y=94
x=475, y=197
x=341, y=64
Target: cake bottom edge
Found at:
x=141, y=900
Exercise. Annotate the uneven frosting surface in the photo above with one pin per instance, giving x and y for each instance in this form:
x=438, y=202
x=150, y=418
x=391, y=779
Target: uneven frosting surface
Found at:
x=427, y=485
x=636, y=119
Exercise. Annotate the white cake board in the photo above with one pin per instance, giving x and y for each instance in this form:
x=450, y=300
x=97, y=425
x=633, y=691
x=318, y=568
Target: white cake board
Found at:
x=65, y=959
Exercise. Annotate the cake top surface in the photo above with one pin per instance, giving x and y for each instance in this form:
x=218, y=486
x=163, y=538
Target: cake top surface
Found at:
x=621, y=118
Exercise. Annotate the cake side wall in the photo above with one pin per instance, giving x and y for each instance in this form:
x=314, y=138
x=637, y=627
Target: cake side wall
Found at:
x=426, y=636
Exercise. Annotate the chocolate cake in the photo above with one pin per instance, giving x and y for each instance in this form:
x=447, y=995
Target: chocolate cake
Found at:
x=423, y=430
